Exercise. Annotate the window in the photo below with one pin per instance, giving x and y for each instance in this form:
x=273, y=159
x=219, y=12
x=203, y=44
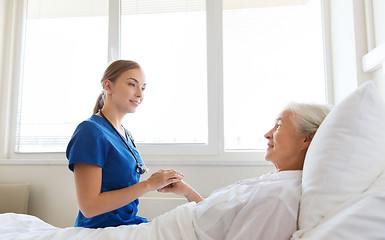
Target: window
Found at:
x=65, y=54
x=273, y=54
x=168, y=38
x=217, y=71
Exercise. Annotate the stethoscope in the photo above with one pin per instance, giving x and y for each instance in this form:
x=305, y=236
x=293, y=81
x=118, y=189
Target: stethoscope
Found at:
x=140, y=168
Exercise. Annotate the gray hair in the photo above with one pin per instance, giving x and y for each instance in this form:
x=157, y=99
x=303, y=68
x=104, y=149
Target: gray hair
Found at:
x=308, y=116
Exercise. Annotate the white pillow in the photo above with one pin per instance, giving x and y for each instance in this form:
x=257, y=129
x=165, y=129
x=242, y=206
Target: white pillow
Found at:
x=345, y=158
x=360, y=218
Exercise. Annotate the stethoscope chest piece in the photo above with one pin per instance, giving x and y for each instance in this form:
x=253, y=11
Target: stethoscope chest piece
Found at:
x=141, y=169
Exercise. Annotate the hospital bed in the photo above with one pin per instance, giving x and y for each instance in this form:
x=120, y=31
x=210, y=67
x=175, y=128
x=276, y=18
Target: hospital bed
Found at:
x=343, y=186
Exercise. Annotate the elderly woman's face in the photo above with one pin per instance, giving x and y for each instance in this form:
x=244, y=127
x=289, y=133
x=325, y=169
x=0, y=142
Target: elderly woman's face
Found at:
x=286, y=145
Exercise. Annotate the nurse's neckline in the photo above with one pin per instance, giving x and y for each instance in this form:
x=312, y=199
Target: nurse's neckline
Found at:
x=122, y=130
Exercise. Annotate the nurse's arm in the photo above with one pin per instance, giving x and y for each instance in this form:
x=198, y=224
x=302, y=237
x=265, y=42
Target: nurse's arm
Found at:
x=88, y=181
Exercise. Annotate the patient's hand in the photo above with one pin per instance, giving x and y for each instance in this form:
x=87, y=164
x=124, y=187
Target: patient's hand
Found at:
x=182, y=188
x=177, y=188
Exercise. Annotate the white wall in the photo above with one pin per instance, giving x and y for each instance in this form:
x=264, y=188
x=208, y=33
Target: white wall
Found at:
x=3, y=14
x=379, y=38
x=379, y=21
x=3, y=17
x=349, y=45
x=52, y=195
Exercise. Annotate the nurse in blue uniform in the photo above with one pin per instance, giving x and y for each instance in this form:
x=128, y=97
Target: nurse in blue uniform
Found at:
x=103, y=156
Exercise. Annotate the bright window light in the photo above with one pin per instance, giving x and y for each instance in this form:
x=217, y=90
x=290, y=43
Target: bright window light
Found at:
x=273, y=54
x=168, y=39
x=64, y=58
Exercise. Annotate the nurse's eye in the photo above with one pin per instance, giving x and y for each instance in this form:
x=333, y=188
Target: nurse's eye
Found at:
x=132, y=84
x=143, y=89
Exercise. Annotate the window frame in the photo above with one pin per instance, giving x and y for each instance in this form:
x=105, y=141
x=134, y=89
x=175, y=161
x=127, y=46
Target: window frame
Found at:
x=186, y=154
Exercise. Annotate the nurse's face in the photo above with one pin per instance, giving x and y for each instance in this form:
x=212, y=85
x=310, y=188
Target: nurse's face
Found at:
x=286, y=145
x=127, y=90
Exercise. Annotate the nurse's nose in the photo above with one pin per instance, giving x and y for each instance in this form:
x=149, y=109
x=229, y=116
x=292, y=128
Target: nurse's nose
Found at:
x=139, y=92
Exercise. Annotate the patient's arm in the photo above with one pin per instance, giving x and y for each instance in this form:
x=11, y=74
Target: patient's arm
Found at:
x=184, y=189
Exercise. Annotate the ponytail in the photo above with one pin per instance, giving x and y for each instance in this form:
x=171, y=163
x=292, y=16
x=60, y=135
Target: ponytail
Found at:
x=99, y=103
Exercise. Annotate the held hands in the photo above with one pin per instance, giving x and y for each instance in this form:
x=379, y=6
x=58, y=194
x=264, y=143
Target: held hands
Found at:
x=162, y=178
x=184, y=189
x=170, y=181
x=180, y=188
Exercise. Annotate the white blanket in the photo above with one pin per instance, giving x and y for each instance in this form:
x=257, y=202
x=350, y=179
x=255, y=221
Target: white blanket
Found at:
x=259, y=208
x=175, y=224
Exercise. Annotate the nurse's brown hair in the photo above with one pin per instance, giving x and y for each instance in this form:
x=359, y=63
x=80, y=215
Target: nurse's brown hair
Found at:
x=113, y=71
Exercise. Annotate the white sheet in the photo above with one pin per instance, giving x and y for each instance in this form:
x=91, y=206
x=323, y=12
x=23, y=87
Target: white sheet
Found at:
x=175, y=224
x=260, y=208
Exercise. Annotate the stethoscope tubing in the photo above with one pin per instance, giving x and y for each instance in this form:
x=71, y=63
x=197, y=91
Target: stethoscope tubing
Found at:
x=140, y=168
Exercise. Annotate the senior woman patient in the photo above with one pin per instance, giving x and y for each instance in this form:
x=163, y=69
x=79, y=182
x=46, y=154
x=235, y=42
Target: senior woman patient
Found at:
x=264, y=207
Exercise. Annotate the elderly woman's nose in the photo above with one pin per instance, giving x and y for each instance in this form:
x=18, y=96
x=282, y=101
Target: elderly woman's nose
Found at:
x=269, y=134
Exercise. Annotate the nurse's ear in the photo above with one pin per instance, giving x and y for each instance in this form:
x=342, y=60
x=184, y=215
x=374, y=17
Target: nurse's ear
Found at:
x=107, y=86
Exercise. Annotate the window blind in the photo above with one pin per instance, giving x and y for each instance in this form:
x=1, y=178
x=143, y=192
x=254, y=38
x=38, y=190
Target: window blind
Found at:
x=68, y=8
x=273, y=51
x=65, y=52
x=168, y=39
x=160, y=6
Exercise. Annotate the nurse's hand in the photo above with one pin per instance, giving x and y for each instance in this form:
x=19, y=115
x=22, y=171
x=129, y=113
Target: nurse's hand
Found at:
x=163, y=178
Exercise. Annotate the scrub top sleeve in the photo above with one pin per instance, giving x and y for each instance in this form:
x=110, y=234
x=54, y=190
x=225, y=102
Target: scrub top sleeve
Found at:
x=87, y=145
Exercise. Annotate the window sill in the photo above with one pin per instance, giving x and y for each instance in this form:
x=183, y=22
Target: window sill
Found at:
x=229, y=158
x=33, y=162
x=148, y=162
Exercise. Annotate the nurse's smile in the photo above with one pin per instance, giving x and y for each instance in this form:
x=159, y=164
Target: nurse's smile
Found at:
x=135, y=102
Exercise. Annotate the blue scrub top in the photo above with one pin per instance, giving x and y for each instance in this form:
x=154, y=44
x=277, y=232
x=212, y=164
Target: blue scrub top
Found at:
x=95, y=141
